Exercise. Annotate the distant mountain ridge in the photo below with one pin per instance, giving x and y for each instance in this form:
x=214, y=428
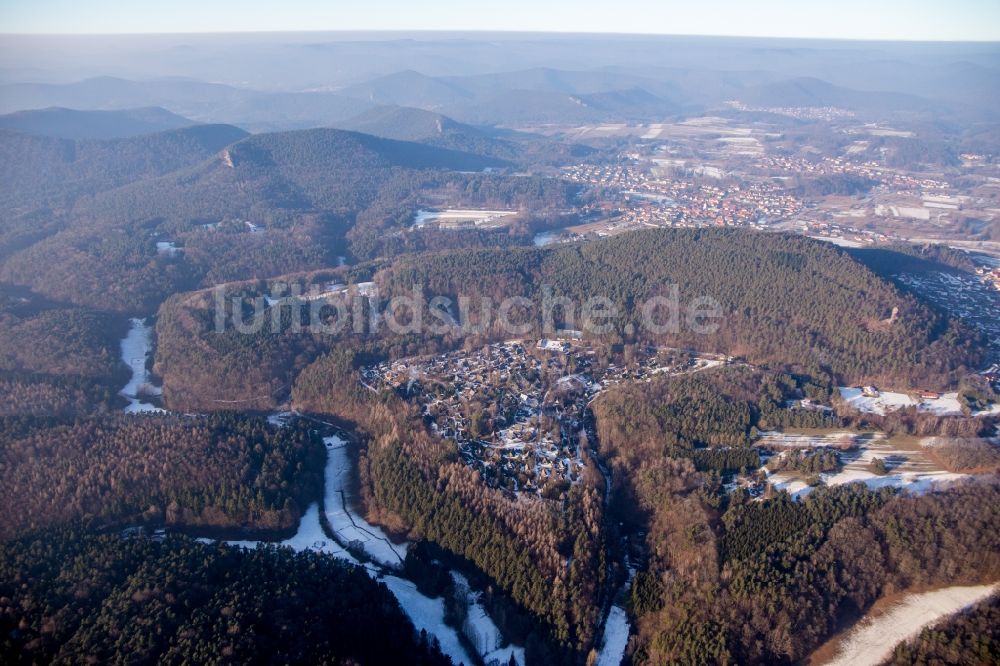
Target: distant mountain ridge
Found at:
x=435, y=129
x=197, y=100
x=63, y=123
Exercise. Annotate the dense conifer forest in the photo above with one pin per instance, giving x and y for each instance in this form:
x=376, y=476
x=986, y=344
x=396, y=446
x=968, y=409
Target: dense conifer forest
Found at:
x=726, y=578
x=222, y=472
x=68, y=595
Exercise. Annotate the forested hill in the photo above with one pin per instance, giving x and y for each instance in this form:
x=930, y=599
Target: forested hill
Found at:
x=37, y=171
x=223, y=471
x=70, y=596
x=74, y=124
x=305, y=150
x=409, y=124
x=786, y=300
x=87, y=231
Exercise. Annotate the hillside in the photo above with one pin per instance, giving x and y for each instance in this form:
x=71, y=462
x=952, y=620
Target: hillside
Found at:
x=783, y=298
x=525, y=107
x=225, y=471
x=75, y=595
x=118, y=199
x=56, y=360
x=412, y=124
x=783, y=302
x=409, y=88
x=808, y=91
x=73, y=124
x=731, y=578
x=38, y=171
x=198, y=100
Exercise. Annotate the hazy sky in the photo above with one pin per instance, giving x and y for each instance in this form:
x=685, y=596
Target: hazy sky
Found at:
x=847, y=19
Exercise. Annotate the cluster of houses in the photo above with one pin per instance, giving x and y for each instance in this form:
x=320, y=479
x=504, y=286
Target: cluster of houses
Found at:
x=969, y=297
x=825, y=113
x=641, y=197
x=786, y=165
x=517, y=410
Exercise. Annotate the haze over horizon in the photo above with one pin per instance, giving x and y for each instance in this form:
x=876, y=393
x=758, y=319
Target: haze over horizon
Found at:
x=895, y=20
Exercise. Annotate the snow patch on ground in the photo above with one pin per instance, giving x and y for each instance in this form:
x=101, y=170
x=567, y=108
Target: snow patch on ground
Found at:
x=347, y=525
x=280, y=419
x=481, y=631
x=427, y=614
x=615, y=638
x=135, y=348
x=545, y=238
x=782, y=440
x=309, y=537
x=872, y=640
x=887, y=401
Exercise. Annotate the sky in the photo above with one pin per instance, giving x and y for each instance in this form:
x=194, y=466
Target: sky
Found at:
x=937, y=20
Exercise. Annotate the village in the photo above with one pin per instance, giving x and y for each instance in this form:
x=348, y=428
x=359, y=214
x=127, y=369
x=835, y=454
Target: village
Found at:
x=715, y=171
x=517, y=410
x=974, y=298
x=642, y=195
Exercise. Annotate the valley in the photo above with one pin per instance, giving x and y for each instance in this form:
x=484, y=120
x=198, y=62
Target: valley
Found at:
x=498, y=349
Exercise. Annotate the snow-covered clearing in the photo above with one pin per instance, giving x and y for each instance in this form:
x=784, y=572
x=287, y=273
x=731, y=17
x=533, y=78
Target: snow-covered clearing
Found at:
x=872, y=640
x=135, y=348
x=167, y=248
x=545, y=238
x=887, y=401
x=453, y=217
x=349, y=527
x=427, y=614
x=839, y=241
x=776, y=439
x=481, y=631
x=615, y=638
x=910, y=468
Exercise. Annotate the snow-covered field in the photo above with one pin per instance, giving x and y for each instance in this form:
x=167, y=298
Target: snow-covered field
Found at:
x=910, y=467
x=348, y=526
x=482, y=631
x=887, y=401
x=872, y=640
x=424, y=612
x=135, y=348
x=913, y=482
x=454, y=216
x=615, y=638
x=773, y=438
